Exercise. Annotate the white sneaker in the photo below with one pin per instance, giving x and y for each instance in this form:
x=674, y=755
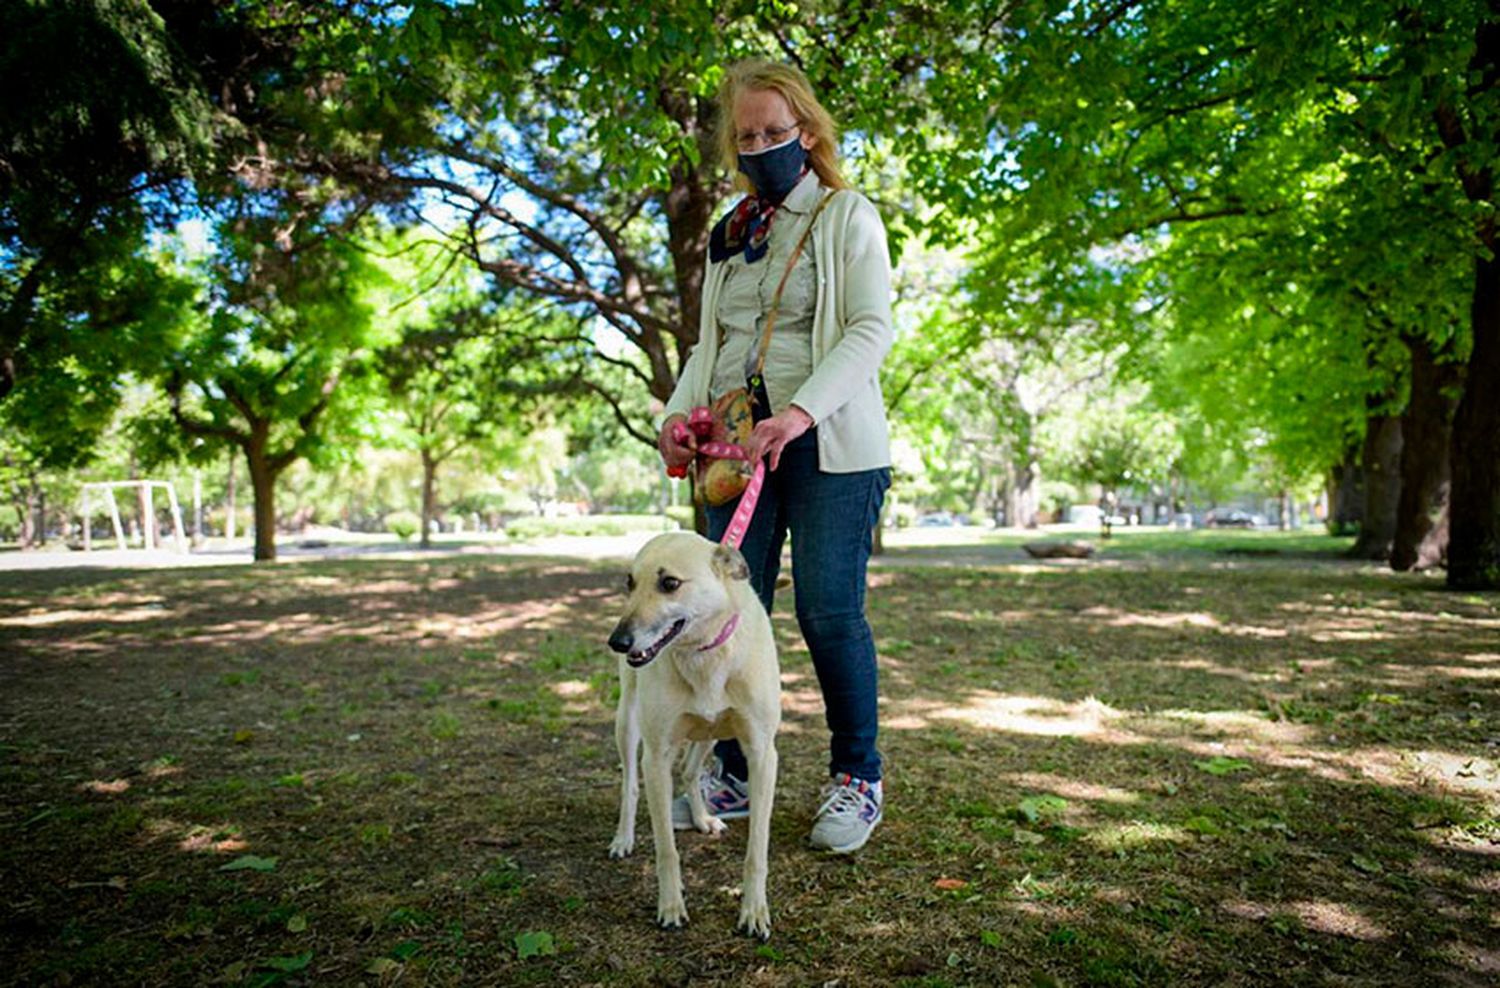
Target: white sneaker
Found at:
x=727, y=797
x=851, y=809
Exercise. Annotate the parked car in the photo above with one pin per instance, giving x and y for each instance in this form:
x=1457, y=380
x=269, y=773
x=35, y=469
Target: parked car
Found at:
x=1229, y=518
x=936, y=519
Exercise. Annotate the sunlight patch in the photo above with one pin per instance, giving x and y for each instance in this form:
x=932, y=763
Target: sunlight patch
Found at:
x=47, y=619
x=1246, y=723
x=571, y=688
x=1316, y=914
x=111, y=788
x=1037, y=715
x=1138, y=834
x=1070, y=788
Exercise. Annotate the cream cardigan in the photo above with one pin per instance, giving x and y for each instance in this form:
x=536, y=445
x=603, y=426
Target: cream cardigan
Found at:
x=851, y=335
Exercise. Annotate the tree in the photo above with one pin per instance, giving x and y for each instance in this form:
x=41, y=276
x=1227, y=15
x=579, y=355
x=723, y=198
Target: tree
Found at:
x=274, y=362
x=91, y=156
x=1107, y=122
x=575, y=146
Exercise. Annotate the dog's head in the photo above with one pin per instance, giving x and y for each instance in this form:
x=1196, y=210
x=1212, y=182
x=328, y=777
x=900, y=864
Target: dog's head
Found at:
x=678, y=589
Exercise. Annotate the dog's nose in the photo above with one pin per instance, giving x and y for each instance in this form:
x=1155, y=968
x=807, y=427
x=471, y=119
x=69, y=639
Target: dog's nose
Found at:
x=621, y=638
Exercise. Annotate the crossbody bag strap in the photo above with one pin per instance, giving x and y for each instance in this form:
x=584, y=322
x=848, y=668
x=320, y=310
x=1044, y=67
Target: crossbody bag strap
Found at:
x=753, y=378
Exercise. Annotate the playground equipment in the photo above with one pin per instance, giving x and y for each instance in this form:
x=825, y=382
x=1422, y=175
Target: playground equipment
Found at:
x=145, y=492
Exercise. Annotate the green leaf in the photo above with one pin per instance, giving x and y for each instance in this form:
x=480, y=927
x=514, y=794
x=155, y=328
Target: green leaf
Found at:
x=406, y=950
x=1203, y=825
x=989, y=938
x=382, y=965
x=296, y=924
x=1367, y=865
x=1034, y=809
x=288, y=965
x=537, y=944
x=250, y=862
x=1221, y=765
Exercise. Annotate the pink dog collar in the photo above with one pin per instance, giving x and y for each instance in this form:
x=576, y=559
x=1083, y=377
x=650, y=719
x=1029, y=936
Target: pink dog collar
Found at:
x=729, y=626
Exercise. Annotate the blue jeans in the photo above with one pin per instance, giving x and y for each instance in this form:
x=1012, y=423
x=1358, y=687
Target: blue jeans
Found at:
x=830, y=517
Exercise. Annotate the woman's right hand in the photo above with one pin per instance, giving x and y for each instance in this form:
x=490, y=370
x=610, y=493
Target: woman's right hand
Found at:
x=674, y=453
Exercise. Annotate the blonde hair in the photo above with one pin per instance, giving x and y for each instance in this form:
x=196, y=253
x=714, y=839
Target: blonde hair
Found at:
x=754, y=74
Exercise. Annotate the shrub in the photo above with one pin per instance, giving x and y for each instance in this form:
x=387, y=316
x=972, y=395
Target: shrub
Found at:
x=540, y=528
x=403, y=524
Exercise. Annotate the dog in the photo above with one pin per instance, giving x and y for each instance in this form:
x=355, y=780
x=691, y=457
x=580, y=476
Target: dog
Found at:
x=697, y=663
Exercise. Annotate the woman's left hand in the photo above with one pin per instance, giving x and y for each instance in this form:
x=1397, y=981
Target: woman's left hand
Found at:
x=771, y=435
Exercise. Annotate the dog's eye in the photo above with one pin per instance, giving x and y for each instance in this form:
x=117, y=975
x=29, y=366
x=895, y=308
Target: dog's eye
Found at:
x=629, y=584
x=668, y=584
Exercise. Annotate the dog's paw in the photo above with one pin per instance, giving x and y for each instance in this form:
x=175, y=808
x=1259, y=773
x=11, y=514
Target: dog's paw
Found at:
x=671, y=915
x=755, y=919
x=621, y=846
x=711, y=825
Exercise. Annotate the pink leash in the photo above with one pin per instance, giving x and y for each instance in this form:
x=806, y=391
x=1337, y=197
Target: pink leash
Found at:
x=700, y=423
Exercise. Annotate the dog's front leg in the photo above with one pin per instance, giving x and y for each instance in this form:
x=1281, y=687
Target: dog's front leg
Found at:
x=755, y=911
x=670, y=911
x=692, y=768
x=628, y=740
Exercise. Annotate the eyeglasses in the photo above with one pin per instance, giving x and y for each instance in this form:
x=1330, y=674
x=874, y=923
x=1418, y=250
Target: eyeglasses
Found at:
x=771, y=136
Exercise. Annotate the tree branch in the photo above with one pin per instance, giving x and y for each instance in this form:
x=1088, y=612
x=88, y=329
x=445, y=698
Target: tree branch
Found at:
x=620, y=415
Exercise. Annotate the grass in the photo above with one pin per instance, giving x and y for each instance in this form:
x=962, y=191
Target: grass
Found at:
x=1177, y=763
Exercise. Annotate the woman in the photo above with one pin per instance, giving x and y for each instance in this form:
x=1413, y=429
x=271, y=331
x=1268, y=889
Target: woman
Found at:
x=821, y=419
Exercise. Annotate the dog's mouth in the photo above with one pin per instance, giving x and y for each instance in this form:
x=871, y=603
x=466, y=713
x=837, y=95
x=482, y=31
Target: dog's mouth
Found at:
x=639, y=657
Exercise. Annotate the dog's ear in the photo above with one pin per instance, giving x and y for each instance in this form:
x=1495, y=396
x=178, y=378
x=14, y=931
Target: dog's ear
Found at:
x=729, y=564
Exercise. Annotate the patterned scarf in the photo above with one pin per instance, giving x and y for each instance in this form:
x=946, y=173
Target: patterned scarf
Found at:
x=746, y=227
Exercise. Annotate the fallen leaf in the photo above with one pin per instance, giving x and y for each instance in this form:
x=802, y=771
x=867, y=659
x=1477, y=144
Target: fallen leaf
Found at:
x=536, y=944
x=1222, y=765
x=296, y=924
x=951, y=884
x=288, y=965
x=1034, y=809
x=382, y=965
x=250, y=862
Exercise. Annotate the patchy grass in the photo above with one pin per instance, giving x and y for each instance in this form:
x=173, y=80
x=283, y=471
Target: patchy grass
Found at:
x=1171, y=765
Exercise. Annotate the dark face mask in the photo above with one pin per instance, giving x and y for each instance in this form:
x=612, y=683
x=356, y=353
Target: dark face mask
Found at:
x=775, y=170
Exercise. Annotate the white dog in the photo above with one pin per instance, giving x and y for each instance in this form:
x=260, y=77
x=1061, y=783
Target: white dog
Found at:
x=697, y=663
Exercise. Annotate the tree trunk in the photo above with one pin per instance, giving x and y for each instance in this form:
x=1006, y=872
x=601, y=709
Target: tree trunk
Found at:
x=229, y=519
x=1346, y=495
x=27, y=512
x=263, y=484
x=1421, y=539
x=1284, y=509
x=1474, y=507
x=429, y=495
x=1381, y=460
x=1010, y=480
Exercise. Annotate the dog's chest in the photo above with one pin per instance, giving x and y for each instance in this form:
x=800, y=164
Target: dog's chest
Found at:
x=707, y=712
x=699, y=727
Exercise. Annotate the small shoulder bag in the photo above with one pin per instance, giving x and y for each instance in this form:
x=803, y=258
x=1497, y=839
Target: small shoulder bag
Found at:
x=736, y=412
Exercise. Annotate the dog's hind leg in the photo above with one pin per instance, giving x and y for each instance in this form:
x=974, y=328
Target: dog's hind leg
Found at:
x=692, y=768
x=671, y=913
x=755, y=911
x=628, y=741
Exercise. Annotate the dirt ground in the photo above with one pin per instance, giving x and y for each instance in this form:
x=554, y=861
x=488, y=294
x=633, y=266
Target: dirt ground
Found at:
x=1208, y=767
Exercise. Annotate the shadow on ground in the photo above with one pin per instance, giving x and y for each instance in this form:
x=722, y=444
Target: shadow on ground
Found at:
x=1209, y=772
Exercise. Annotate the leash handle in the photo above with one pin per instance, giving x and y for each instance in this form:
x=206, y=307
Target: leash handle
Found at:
x=700, y=423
